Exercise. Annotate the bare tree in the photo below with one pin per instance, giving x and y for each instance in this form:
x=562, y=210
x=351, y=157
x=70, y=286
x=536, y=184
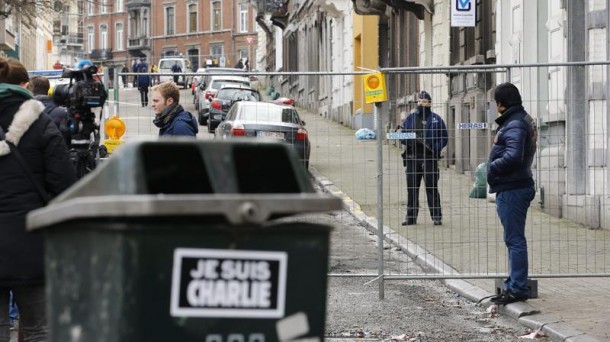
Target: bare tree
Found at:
x=29, y=10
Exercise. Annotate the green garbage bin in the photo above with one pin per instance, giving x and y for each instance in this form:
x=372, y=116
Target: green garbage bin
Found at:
x=176, y=241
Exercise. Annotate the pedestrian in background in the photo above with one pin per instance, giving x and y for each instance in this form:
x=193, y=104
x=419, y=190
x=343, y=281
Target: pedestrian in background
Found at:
x=134, y=68
x=35, y=166
x=124, y=77
x=154, y=79
x=144, y=83
x=176, y=68
x=509, y=175
x=39, y=86
x=170, y=117
x=421, y=157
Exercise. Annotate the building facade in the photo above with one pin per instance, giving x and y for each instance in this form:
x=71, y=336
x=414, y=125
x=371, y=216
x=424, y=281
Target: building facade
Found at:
x=216, y=32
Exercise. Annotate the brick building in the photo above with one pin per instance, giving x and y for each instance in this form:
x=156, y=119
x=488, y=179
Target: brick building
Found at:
x=118, y=32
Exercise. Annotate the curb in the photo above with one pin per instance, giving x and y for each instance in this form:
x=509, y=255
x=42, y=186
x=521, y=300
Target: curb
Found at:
x=522, y=312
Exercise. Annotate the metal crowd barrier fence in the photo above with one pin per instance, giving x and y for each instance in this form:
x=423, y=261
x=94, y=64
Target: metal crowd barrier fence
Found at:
x=568, y=224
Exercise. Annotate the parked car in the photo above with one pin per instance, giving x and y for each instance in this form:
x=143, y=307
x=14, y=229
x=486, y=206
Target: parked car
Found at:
x=225, y=98
x=195, y=84
x=218, y=71
x=165, y=66
x=267, y=120
x=214, y=83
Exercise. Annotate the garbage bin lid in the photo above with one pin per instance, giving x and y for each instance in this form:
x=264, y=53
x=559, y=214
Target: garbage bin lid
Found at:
x=236, y=208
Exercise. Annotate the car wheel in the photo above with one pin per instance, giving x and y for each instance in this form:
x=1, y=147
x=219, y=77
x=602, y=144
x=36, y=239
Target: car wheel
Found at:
x=201, y=120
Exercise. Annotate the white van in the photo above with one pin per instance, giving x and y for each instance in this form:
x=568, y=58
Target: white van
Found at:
x=165, y=66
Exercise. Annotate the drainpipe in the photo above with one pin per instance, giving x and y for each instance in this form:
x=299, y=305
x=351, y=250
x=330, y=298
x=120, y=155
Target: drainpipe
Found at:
x=576, y=118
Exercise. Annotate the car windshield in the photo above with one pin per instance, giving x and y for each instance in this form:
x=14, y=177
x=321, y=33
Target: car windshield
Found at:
x=167, y=64
x=238, y=94
x=269, y=114
x=217, y=84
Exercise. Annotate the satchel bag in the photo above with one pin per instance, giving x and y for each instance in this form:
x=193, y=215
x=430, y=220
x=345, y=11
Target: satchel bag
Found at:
x=44, y=196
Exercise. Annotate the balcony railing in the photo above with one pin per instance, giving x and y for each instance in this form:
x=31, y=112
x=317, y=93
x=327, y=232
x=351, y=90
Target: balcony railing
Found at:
x=71, y=39
x=133, y=4
x=138, y=43
x=101, y=54
x=277, y=8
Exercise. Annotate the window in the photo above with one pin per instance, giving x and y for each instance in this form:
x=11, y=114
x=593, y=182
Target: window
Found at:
x=90, y=8
x=103, y=37
x=118, y=39
x=243, y=53
x=104, y=7
x=169, y=21
x=118, y=5
x=216, y=15
x=216, y=50
x=90, y=38
x=243, y=17
x=193, y=56
x=192, y=18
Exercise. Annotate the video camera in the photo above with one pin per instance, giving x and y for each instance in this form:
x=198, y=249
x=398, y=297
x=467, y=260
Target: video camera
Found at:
x=82, y=93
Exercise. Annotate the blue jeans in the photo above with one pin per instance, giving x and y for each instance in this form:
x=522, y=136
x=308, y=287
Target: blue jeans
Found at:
x=32, y=319
x=13, y=312
x=512, y=206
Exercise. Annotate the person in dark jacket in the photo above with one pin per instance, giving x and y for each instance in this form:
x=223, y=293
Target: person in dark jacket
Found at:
x=124, y=77
x=421, y=158
x=26, y=132
x=509, y=175
x=170, y=117
x=176, y=68
x=39, y=86
x=144, y=83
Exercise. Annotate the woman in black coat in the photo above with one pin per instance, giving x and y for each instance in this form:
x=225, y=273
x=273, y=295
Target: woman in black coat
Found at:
x=26, y=131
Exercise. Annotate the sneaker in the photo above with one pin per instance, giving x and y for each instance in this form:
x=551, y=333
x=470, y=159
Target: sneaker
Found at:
x=409, y=222
x=437, y=222
x=507, y=297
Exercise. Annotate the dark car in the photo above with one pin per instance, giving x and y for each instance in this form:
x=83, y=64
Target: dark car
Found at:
x=267, y=120
x=225, y=98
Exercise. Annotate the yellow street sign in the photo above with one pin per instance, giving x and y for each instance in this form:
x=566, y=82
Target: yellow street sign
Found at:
x=112, y=144
x=374, y=88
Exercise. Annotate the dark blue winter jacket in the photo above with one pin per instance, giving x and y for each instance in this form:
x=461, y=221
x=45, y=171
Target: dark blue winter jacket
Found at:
x=435, y=132
x=183, y=124
x=511, y=157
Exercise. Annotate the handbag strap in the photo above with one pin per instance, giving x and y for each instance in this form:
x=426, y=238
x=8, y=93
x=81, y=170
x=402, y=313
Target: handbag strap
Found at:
x=44, y=196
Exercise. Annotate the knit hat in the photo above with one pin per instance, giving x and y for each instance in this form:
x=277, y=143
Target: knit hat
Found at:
x=424, y=99
x=423, y=95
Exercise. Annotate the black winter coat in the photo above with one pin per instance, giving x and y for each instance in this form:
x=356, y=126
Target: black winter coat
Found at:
x=44, y=150
x=512, y=155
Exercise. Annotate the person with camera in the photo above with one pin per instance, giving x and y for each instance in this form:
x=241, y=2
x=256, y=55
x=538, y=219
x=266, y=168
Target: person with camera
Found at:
x=170, y=116
x=35, y=166
x=144, y=83
x=39, y=86
x=421, y=158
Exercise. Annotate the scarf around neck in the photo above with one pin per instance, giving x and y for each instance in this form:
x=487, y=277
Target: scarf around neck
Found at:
x=9, y=90
x=167, y=115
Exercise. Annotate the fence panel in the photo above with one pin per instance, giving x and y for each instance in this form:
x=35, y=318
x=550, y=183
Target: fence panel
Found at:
x=567, y=226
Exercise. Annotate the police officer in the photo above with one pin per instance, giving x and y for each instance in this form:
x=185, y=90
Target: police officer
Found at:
x=421, y=158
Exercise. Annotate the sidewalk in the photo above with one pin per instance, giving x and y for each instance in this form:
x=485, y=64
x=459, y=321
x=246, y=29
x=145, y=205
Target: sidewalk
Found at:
x=470, y=239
